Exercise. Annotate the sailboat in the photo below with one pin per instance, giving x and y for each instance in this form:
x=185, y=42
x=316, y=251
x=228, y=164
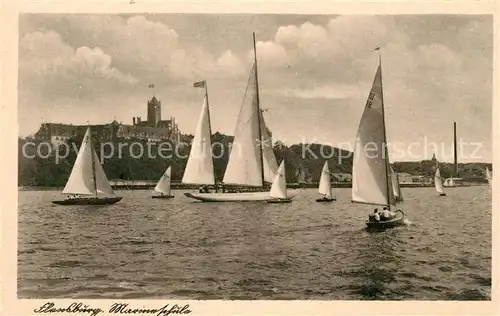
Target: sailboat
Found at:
x=87, y=179
x=251, y=162
x=325, y=185
x=488, y=176
x=398, y=193
x=163, y=186
x=371, y=180
x=278, y=191
x=438, y=183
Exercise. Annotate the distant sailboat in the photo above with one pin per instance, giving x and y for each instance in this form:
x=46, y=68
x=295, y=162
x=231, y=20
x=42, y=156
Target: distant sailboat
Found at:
x=87, y=179
x=325, y=185
x=371, y=178
x=438, y=183
x=163, y=186
x=251, y=162
x=278, y=191
x=398, y=193
x=488, y=176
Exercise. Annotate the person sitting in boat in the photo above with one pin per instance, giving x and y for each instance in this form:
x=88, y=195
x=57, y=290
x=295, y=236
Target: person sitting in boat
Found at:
x=386, y=215
x=375, y=217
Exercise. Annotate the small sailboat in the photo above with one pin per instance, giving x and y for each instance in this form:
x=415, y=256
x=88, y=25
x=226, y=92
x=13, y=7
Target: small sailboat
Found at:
x=278, y=189
x=325, y=185
x=252, y=163
x=398, y=193
x=371, y=180
x=163, y=186
x=488, y=176
x=87, y=183
x=438, y=183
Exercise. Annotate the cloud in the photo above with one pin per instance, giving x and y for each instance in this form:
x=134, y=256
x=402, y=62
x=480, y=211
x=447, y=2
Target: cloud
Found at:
x=56, y=68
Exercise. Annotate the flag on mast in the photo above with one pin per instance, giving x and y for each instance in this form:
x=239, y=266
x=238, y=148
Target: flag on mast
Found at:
x=377, y=48
x=199, y=84
x=151, y=85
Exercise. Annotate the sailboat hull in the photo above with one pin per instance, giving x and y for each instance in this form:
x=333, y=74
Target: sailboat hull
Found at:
x=325, y=199
x=398, y=220
x=442, y=194
x=236, y=197
x=279, y=201
x=89, y=201
x=162, y=196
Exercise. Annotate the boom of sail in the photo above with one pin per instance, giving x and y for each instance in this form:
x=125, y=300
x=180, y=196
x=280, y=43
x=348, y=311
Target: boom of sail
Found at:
x=371, y=183
x=87, y=176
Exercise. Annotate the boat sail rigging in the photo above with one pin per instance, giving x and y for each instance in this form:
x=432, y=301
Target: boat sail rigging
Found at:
x=200, y=167
x=251, y=162
x=398, y=193
x=87, y=178
x=488, y=176
x=438, y=182
x=325, y=185
x=278, y=188
x=163, y=185
x=371, y=180
x=371, y=177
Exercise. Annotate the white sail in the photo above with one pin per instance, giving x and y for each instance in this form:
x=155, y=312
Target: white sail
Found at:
x=278, y=189
x=102, y=183
x=325, y=186
x=245, y=166
x=268, y=157
x=396, y=188
x=163, y=185
x=438, y=182
x=488, y=176
x=87, y=176
x=199, y=168
x=370, y=183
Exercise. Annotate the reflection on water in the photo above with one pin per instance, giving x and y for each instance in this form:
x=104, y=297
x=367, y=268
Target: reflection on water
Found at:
x=153, y=248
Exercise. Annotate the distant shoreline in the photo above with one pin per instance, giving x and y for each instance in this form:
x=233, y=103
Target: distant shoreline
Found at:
x=191, y=187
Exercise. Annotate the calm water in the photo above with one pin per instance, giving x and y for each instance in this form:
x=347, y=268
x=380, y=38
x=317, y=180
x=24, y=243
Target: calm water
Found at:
x=151, y=248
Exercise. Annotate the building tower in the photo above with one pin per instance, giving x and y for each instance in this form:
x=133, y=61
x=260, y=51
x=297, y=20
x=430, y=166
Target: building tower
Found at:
x=154, y=112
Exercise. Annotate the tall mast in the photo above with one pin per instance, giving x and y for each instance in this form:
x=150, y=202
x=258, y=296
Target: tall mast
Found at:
x=455, y=148
x=258, y=112
x=93, y=160
x=209, y=123
x=385, y=135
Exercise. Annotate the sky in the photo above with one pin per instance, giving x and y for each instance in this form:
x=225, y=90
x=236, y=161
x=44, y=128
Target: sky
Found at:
x=315, y=73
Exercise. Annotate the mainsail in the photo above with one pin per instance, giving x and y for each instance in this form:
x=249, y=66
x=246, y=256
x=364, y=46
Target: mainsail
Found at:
x=325, y=186
x=396, y=188
x=200, y=168
x=438, y=182
x=371, y=160
x=278, y=188
x=163, y=185
x=87, y=176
